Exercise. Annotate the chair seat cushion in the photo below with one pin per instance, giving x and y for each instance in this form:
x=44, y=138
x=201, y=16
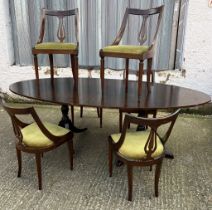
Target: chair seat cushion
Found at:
x=125, y=49
x=33, y=136
x=134, y=143
x=55, y=46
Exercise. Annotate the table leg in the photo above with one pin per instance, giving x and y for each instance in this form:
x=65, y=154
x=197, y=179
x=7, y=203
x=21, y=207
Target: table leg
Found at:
x=67, y=123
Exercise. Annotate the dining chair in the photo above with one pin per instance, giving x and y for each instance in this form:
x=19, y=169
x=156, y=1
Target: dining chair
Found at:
x=140, y=52
x=37, y=137
x=58, y=47
x=141, y=112
x=141, y=148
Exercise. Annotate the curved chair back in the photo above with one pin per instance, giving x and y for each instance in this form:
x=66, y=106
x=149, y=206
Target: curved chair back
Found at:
x=153, y=124
x=16, y=122
x=60, y=14
x=142, y=36
x=19, y=124
x=40, y=147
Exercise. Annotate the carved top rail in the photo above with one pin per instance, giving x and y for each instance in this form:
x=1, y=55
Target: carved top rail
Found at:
x=60, y=14
x=142, y=36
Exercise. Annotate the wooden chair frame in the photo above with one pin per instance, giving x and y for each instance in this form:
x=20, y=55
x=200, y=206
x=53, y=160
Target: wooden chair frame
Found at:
x=150, y=146
x=60, y=14
x=61, y=36
x=153, y=112
x=20, y=147
x=141, y=38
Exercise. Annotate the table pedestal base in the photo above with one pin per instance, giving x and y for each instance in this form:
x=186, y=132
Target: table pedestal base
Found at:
x=169, y=154
x=67, y=123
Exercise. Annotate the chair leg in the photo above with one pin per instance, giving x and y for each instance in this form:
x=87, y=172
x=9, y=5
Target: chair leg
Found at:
x=73, y=66
x=18, y=152
x=100, y=116
x=149, y=73
x=140, y=76
x=81, y=111
x=71, y=152
x=130, y=181
x=76, y=69
x=149, y=70
x=150, y=168
x=120, y=120
x=72, y=114
x=110, y=159
x=51, y=66
x=127, y=74
x=36, y=66
x=102, y=72
x=154, y=113
x=38, y=164
x=157, y=176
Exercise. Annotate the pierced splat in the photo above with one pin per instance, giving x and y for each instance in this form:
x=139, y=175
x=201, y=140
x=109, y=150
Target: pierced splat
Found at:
x=151, y=144
x=61, y=29
x=142, y=36
x=60, y=14
x=147, y=158
x=131, y=52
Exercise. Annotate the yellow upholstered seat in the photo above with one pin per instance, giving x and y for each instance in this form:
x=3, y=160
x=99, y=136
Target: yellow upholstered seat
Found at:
x=33, y=136
x=55, y=46
x=125, y=49
x=30, y=138
x=134, y=143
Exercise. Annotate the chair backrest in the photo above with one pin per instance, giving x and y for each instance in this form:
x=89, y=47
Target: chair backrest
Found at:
x=153, y=124
x=142, y=36
x=16, y=122
x=19, y=124
x=60, y=14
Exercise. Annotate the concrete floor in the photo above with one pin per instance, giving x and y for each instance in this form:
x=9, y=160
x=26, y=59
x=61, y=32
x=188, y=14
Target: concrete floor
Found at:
x=186, y=181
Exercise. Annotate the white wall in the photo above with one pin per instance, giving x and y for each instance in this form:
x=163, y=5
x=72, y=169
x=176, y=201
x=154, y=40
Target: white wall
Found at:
x=198, y=46
x=197, y=52
x=6, y=44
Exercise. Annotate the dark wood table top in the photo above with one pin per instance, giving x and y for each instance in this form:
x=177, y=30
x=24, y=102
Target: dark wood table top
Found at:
x=89, y=93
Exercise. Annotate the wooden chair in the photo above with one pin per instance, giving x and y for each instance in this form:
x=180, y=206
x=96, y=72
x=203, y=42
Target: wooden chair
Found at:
x=145, y=113
x=144, y=148
x=37, y=137
x=60, y=47
x=140, y=52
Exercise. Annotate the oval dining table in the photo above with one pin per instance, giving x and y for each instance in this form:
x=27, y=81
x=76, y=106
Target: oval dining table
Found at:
x=88, y=92
x=114, y=94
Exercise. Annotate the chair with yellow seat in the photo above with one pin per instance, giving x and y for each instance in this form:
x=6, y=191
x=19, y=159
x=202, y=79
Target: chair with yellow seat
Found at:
x=141, y=148
x=60, y=47
x=138, y=52
x=37, y=137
